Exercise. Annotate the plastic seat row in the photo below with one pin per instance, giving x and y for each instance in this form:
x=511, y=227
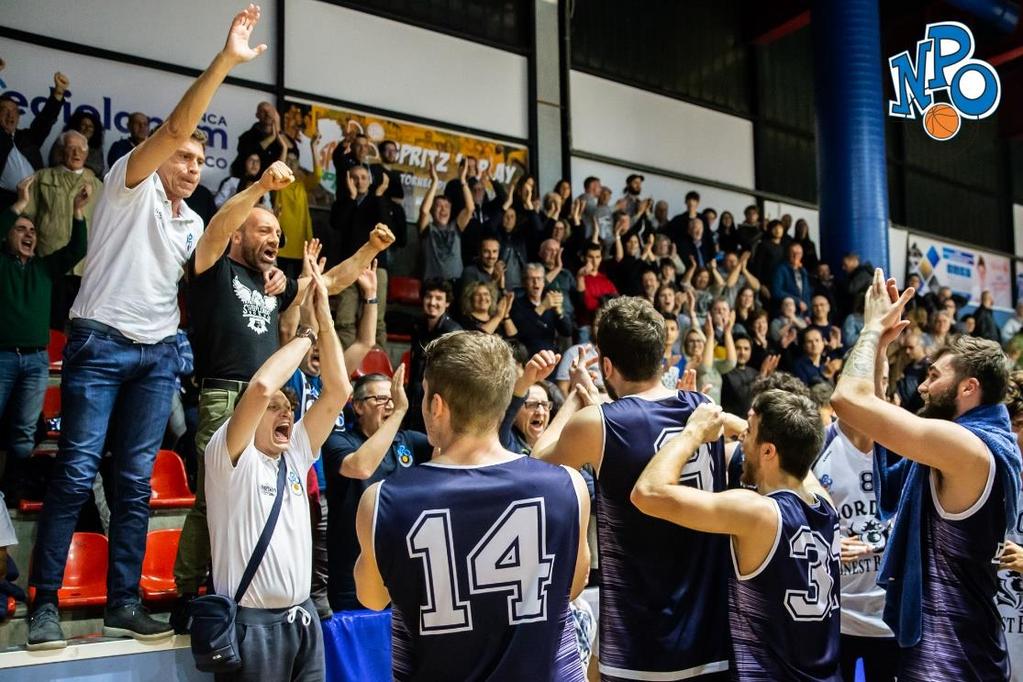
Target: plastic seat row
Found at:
x=85, y=574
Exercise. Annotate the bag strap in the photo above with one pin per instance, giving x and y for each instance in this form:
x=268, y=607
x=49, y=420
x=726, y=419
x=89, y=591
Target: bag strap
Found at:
x=268, y=531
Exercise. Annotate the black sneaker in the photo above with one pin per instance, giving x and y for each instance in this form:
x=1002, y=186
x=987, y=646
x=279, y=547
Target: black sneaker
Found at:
x=132, y=620
x=44, y=631
x=180, y=615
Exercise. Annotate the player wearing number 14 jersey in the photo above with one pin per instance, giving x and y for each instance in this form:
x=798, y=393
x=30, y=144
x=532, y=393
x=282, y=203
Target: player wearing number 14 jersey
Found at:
x=784, y=598
x=480, y=550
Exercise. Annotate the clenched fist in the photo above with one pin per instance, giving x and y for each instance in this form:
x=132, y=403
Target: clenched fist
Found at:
x=277, y=176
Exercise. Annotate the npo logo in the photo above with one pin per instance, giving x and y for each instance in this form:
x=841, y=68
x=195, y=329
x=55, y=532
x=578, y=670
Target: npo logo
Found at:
x=944, y=62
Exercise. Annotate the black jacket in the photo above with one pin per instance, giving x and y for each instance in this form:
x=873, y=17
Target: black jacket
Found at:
x=29, y=141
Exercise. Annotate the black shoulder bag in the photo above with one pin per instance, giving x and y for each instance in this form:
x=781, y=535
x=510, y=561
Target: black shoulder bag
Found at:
x=214, y=638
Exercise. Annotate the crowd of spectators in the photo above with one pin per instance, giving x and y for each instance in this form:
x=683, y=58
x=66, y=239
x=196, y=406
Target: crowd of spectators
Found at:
x=740, y=300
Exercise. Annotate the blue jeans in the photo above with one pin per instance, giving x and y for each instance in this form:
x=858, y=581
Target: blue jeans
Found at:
x=106, y=380
x=22, y=387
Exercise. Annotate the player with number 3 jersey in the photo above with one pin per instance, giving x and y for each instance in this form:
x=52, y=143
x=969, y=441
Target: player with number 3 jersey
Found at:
x=480, y=550
x=784, y=597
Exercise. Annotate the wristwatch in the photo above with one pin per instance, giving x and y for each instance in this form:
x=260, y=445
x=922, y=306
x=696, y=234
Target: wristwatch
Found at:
x=373, y=300
x=307, y=333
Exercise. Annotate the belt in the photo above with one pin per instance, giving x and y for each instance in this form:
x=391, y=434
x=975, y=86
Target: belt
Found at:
x=94, y=326
x=224, y=384
x=24, y=350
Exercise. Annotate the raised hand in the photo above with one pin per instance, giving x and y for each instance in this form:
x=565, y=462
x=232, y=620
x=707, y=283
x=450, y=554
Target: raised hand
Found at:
x=385, y=182
x=276, y=177
x=381, y=237
x=883, y=306
x=504, y=304
x=25, y=186
x=398, y=390
x=433, y=171
x=540, y=367
x=311, y=257
x=237, y=49
x=350, y=183
x=367, y=280
x=463, y=170
x=580, y=374
x=835, y=337
x=81, y=199
x=60, y=84
x=769, y=365
x=687, y=382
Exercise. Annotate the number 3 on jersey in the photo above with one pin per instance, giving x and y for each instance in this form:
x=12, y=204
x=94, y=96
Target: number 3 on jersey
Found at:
x=510, y=557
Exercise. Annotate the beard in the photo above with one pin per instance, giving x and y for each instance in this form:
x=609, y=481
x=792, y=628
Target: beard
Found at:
x=939, y=406
x=748, y=479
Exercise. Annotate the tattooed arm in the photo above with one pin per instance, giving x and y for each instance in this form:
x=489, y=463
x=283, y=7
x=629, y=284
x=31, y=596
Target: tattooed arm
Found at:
x=960, y=456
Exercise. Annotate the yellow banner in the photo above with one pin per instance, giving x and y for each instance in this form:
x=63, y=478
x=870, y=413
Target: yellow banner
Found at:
x=417, y=145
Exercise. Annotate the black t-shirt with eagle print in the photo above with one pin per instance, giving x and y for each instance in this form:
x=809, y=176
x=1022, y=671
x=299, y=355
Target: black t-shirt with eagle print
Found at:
x=234, y=324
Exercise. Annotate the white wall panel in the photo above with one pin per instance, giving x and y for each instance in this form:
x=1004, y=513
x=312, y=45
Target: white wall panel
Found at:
x=375, y=62
x=1017, y=230
x=114, y=90
x=658, y=187
x=898, y=242
x=634, y=125
x=184, y=32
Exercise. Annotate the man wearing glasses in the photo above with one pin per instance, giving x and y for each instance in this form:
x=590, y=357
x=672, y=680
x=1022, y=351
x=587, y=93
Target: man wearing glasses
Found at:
x=369, y=451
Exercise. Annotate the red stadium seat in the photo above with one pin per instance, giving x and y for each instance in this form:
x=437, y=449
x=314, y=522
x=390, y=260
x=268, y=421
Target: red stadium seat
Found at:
x=32, y=506
x=169, y=482
x=85, y=574
x=11, y=605
x=404, y=290
x=157, y=581
x=406, y=359
x=375, y=362
x=56, y=350
x=51, y=409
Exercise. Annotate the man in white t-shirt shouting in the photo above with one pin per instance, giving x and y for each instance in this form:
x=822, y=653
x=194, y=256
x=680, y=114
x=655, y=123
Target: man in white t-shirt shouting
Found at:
x=121, y=361
x=278, y=632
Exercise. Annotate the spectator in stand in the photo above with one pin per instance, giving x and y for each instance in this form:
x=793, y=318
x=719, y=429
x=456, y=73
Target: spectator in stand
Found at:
x=1014, y=324
x=665, y=248
x=488, y=266
x=770, y=253
x=489, y=199
x=661, y=219
x=26, y=282
x=672, y=361
x=649, y=284
x=791, y=280
x=985, y=319
x=557, y=277
x=967, y=325
x=371, y=450
x=820, y=319
x=592, y=287
x=264, y=139
x=788, y=319
x=138, y=130
x=737, y=384
x=54, y=194
x=394, y=192
x=853, y=324
x=710, y=222
x=630, y=201
x=939, y=330
x=483, y=310
x=699, y=350
x=88, y=124
x=454, y=188
x=600, y=225
x=936, y=300
x=706, y=283
x=727, y=235
x=354, y=217
x=563, y=188
x=824, y=283
x=20, y=153
x=814, y=365
x=802, y=235
x=232, y=185
x=539, y=316
x=722, y=316
x=854, y=279
x=697, y=246
x=679, y=228
x=914, y=370
x=121, y=357
x=629, y=264
x=437, y=296
x=749, y=233
x=441, y=237
x=761, y=344
x=261, y=449
x=291, y=204
x=738, y=276
x=745, y=307
x=591, y=191
x=353, y=154
x=522, y=427
x=519, y=229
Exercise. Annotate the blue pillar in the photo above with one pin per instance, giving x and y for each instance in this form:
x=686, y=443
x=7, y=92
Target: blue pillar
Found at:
x=852, y=180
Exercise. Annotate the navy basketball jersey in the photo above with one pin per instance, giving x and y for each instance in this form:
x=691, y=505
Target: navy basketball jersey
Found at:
x=479, y=563
x=663, y=587
x=785, y=615
x=961, y=634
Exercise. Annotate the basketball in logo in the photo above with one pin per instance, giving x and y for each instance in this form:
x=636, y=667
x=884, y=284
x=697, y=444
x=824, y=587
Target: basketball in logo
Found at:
x=941, y=121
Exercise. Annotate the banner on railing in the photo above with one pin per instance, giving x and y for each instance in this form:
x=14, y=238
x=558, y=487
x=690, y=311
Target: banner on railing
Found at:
x=966, y=270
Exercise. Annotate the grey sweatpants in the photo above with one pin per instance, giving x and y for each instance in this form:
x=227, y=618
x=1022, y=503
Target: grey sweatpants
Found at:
x=272, y=648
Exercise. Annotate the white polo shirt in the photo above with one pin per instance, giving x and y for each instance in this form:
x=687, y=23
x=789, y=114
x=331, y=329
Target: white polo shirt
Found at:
x=238, y=502
x=137, y=252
